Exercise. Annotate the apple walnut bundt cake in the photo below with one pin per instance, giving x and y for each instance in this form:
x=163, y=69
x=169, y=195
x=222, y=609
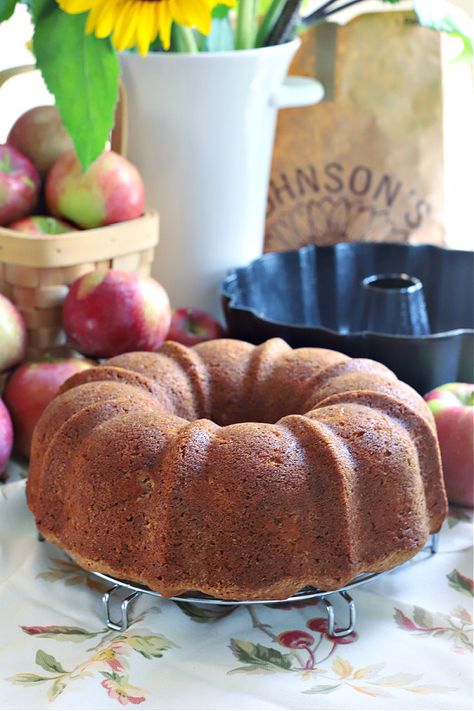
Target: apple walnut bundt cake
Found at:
x=241, y=471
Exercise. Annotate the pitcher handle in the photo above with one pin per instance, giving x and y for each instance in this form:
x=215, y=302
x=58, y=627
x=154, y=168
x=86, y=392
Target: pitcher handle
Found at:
x=297, y=91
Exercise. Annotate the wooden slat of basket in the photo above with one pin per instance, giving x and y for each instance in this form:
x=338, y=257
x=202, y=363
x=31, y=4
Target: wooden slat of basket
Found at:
x=44, y=298
x=127, y=263
x=147, y=256
x=73, y=248
x=46, y=338
x=34, y=353
x=42, y=318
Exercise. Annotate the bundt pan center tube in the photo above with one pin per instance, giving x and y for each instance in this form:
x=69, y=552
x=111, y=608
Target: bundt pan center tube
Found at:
x=241, y=471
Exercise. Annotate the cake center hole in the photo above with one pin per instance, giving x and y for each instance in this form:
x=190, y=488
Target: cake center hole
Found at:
x=392, y=282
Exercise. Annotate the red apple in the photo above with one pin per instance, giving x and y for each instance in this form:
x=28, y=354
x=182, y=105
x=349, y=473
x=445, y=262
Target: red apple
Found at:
x=108, y=312
x=12, y=334
x=42, y=225
x=453, y=408
x=191, y=326
x=110, y=191
x=19, y=185
x=40, y=135
x=6, y=437
x=30, y=388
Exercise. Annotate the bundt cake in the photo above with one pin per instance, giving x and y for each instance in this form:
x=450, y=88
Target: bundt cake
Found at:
x=242, y=471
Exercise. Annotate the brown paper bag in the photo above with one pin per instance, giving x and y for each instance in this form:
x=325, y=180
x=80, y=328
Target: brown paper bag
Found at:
x=366, y=163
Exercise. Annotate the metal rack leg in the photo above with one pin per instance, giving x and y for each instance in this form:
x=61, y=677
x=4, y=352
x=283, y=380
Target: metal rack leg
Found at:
x=119, y=625
x=334, y=631
x=434, y=543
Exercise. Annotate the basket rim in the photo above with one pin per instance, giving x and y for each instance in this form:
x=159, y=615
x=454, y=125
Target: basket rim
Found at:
x=73, y=248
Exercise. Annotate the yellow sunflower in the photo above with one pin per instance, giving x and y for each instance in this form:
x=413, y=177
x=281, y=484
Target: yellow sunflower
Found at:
x=137, y=23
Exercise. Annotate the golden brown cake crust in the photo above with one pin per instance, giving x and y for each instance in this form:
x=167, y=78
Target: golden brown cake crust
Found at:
x=245, y=472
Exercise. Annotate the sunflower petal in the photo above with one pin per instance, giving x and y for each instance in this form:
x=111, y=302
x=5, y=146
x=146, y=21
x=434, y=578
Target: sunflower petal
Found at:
x=201, y=16
x=121, y=36
x=107, y=18
x=119, y=24
x=145, y=28
x=91, y=23
x=165, y=23
x=75, y=7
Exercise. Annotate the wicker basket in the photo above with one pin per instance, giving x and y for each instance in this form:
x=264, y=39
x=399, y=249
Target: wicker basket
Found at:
x=35, y=272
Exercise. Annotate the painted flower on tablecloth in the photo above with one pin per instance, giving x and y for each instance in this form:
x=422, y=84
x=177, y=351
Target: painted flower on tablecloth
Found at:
x=108, y=658
x=112, y=656
x=118, y=688
x=456, y=627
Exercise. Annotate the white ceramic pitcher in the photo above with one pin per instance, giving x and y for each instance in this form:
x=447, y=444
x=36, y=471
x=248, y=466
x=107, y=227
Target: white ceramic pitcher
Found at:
x=201, y=129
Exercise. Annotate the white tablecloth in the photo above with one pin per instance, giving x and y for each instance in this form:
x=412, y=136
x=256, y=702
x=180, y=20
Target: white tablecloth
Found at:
x=412, y=649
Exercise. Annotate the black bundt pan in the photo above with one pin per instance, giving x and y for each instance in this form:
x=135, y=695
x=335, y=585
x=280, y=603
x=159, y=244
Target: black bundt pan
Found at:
x=313, y=296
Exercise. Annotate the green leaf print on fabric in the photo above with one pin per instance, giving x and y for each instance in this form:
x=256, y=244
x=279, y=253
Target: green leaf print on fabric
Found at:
x=258, y=658
x=461, y=583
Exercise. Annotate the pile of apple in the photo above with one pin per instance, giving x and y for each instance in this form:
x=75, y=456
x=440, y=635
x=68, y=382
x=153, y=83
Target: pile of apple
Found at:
x=39, y=172
x=106, y=312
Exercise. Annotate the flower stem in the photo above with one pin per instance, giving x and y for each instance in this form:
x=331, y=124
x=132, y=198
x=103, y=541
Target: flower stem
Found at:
x=334, y=644
x=183, y=39
x=246, y=24
x=285, y=24
x=269, y=21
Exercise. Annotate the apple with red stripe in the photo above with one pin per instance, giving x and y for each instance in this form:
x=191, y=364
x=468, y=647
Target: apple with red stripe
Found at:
x=452, y=406
x=29, y=390
x=108, y=312
x=40, y=225
x=110, y=191
x=193, y=326
x=19, y=185
x=12, y=334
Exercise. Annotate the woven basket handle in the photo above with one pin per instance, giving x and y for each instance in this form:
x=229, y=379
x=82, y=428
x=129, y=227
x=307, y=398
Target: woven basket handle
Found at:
x=118, y=139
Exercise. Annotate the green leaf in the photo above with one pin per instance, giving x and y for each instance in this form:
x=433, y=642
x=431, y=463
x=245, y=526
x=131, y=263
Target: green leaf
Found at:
x=7, y=8
x=149, y=646
x=28, y=679
x=267, y=658
x=221, y=11
x=61, y=633
x=56, y=689
x=48, y=662
x=322, y=689
x=461, y=583
x=82, y=72
x=201, y=613
x=422, y=617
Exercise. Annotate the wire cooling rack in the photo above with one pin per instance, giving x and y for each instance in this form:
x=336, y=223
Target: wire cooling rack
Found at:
x=118, y=599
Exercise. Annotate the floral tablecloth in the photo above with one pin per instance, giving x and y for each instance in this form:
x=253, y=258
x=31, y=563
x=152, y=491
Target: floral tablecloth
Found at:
x=412, y=648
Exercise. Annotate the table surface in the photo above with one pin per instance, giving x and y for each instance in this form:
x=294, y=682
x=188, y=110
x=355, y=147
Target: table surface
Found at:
x=412, y=648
